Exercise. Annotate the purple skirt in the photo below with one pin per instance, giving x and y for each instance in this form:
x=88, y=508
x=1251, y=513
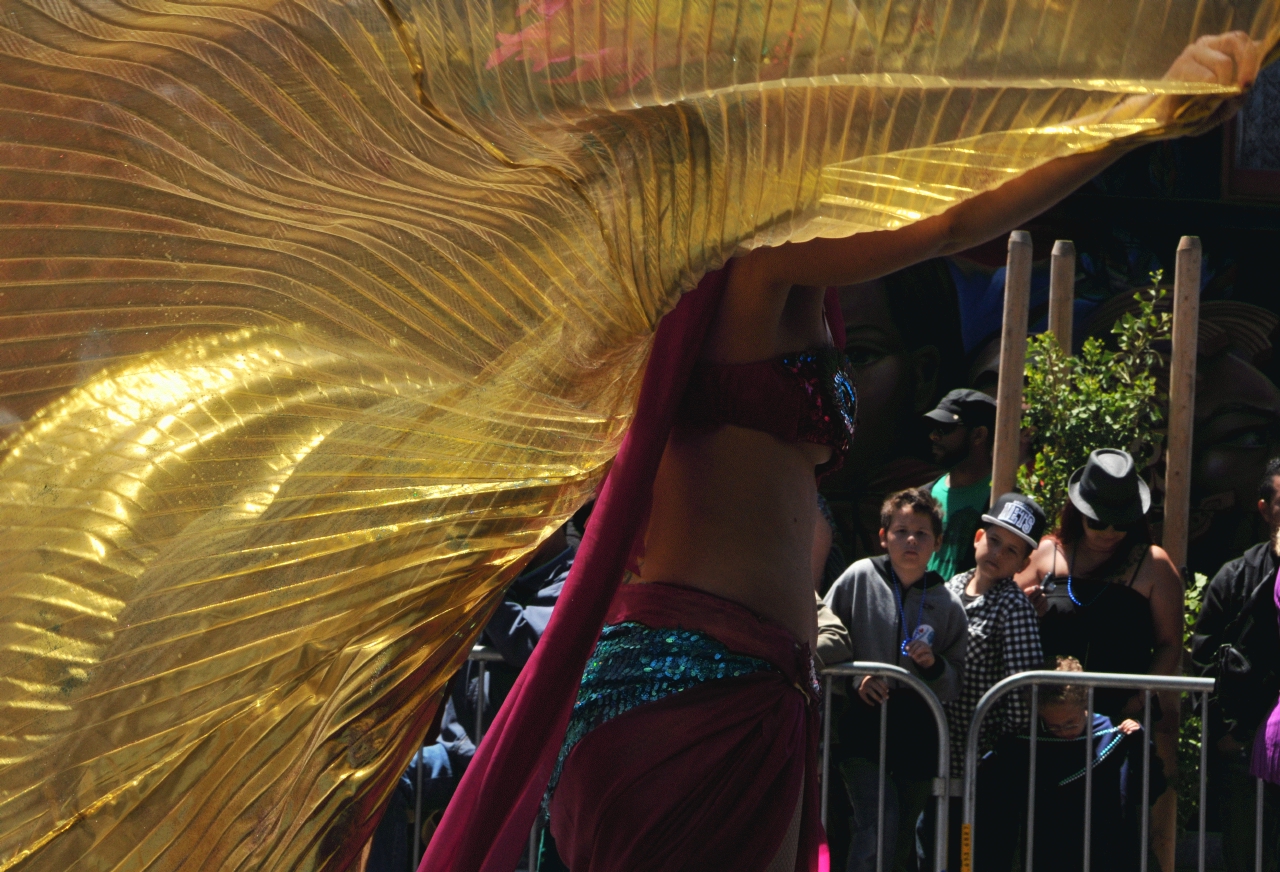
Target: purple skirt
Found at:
x=1266, y=750
x=1266, y=744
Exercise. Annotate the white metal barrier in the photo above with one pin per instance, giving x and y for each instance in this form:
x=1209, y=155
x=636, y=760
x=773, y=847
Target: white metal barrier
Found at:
x=941, y=784
x=1146, y=684
x=481, y=656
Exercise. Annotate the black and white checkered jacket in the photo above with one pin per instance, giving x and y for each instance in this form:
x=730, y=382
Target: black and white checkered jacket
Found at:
x=1004, y=638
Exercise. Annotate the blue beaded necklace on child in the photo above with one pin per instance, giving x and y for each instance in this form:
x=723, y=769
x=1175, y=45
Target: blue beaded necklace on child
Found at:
x=902, y=612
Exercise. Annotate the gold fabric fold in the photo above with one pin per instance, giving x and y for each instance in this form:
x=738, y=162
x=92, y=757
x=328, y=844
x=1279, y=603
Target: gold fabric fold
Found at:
x=316, y=316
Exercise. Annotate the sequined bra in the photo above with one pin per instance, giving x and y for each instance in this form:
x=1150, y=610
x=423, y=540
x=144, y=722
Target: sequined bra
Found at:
x=804, y=396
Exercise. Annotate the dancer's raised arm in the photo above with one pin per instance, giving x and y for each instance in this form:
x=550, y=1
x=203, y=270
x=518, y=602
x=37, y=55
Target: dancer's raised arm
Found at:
x=1225, y=59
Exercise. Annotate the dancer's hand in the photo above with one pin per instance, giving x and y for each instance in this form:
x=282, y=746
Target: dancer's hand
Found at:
x=1129, y=727
x=1230, y=59
x=872, y=690
x=1224, y=59
x=921, y=654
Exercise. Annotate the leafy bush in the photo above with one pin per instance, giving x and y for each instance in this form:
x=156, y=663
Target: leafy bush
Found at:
x=1102, y=398
x=1189, y=728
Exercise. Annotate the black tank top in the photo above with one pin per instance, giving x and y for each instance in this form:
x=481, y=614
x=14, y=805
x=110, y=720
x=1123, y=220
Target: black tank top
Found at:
x=1111, y=631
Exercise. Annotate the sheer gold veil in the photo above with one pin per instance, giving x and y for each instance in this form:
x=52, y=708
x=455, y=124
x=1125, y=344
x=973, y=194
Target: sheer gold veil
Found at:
x=316, y=316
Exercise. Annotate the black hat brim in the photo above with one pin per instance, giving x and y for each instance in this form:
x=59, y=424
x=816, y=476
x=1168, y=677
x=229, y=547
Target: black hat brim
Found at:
x=943, y=417
x=1107, y=514
x=1004, y=525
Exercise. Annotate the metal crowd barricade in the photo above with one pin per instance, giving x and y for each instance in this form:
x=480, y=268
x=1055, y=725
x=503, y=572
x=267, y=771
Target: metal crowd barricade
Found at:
x=1147, y=684
x=941, y=784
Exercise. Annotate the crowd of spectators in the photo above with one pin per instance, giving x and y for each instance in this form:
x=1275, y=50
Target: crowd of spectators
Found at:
x=1091, y=594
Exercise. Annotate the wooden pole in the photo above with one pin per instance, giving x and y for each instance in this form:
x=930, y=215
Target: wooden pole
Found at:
x=1182, y=400
x=1177, y=510
x=1013, y=358
x=1062, y=292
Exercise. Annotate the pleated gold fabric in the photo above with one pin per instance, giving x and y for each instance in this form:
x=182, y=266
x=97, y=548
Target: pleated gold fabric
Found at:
x=316, y=316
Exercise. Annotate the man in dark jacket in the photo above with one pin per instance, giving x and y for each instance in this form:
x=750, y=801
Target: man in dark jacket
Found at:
x=1237, y=642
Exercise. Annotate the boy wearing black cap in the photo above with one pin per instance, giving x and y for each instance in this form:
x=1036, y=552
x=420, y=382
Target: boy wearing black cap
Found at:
x=961, y=433
x=1004, y=632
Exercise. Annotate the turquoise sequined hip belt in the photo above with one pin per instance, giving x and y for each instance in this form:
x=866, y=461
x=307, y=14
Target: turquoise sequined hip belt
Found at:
x=634, y=664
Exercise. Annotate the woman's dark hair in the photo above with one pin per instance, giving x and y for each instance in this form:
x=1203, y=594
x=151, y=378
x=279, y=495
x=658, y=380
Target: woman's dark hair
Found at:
x=1070, y=531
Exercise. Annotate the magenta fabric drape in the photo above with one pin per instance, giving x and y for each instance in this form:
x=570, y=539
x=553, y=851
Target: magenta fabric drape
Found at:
x=486, y=825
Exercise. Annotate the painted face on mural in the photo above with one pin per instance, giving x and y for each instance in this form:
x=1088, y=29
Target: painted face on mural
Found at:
x=895, y=383
x=1237, y=425
x=1237, y=430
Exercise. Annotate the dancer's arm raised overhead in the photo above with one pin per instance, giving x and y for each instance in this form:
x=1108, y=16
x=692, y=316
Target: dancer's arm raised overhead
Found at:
x=1230, y=59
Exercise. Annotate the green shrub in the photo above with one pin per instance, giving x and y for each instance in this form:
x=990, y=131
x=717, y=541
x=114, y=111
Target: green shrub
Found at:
x=1102, y=398
x=1189, y=728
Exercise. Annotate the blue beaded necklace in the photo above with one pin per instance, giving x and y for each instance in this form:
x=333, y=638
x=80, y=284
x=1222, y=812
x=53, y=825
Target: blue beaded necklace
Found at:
x=902, y=612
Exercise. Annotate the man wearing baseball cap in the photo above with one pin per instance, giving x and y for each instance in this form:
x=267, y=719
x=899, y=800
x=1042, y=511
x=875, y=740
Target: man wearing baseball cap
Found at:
x=961, y=431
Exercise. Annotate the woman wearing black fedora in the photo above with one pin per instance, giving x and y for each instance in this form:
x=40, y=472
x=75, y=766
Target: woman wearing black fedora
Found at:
x=1113, y=600
x=1105, y=594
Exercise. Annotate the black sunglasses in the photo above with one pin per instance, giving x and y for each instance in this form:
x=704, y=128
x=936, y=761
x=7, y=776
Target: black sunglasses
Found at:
x=1107, y=525
x=944, y=429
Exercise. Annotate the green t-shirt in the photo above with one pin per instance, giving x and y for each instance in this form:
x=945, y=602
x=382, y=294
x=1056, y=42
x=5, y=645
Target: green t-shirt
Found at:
x=962, y=509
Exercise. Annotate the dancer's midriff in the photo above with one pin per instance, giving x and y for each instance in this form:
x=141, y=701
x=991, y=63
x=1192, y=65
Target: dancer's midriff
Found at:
x=734, y=513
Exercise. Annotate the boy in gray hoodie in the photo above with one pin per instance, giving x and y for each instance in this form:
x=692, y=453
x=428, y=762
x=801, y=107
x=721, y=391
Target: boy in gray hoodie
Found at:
x=897, y=612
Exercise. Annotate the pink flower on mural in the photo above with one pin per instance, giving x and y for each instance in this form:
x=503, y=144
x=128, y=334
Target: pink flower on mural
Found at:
x=553, y=39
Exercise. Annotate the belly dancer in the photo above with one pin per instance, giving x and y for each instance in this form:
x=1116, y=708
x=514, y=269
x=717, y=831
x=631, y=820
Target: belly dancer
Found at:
x=692, y=743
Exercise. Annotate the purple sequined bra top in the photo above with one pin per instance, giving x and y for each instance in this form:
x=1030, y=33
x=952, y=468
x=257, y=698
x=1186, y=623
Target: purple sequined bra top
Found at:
x=804, y=396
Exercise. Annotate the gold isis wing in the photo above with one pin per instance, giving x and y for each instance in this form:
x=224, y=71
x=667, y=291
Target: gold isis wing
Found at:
x=317, y=315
